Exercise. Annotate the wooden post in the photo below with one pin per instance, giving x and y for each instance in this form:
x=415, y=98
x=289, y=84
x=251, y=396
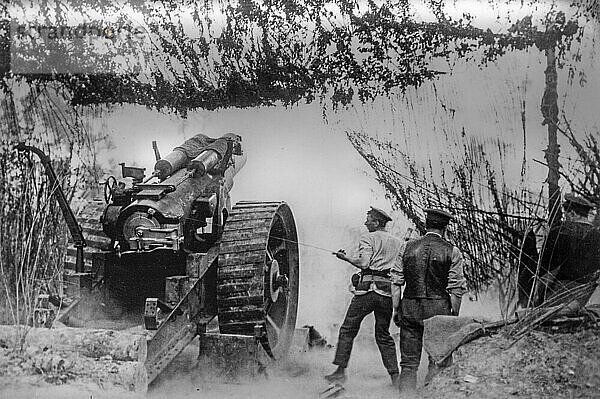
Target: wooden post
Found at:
x=549, y=108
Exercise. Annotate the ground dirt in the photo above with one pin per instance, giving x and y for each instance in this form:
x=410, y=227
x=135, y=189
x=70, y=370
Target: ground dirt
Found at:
x=540, y=365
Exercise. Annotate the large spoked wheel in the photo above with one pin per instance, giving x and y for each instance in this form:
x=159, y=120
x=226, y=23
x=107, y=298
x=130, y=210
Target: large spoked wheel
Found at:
x=109, y=189
x=257, y=278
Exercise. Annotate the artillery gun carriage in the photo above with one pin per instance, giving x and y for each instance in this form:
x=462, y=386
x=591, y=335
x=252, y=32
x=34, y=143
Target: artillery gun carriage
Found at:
x=170, y=251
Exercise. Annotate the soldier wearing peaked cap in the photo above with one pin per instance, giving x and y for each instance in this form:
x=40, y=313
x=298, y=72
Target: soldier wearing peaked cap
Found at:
x=380, y=214
x=571, y=254
x=377, y=252
x=431, y=271
x=579, y=205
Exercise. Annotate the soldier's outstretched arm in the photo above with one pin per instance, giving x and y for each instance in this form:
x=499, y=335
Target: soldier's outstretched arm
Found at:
x=365, y=252
x=359, y=262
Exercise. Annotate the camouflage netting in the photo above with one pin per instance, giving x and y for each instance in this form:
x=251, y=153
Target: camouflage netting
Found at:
x=211, y=55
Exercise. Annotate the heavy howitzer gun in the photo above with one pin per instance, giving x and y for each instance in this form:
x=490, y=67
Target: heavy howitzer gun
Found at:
x=177, y=253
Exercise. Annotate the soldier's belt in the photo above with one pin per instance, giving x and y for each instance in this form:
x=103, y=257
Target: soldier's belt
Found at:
x=369, y=278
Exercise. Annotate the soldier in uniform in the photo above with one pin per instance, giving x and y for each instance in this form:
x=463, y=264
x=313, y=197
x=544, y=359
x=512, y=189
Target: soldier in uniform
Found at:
x=431, y=269
x=377, y=252
x=571, y=254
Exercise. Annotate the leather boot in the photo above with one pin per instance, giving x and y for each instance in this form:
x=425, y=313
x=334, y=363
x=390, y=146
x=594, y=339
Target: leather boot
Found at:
x=408, y=383
x=338, y=376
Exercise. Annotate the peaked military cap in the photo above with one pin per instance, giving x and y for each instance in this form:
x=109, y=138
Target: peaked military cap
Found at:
x=380, y=214
x=438, y=215
x=578, y=201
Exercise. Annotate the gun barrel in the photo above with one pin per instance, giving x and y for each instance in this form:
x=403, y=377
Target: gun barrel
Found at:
x=204, y=162
x=166, y=166
x=201, y=152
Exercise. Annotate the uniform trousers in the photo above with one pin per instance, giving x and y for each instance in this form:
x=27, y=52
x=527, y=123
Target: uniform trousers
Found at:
x=361, y=306
x=414, y=311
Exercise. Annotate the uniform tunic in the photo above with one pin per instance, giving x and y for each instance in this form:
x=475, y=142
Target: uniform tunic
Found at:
x=571, y=254
x=381, y=249
x=373, y=294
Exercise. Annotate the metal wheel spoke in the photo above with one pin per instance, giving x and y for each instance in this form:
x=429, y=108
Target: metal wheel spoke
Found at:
x=269, y=255
x=281, y=247
x=280, y=291
x=273, y=325
x=270, y=305
x=283, y=283
x=285, y=290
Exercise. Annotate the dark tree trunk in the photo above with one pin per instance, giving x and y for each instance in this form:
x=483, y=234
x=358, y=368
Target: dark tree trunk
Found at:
x=549, y=109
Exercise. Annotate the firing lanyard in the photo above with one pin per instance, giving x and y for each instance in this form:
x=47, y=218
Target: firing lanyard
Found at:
x=305, y=245
x=302, y=244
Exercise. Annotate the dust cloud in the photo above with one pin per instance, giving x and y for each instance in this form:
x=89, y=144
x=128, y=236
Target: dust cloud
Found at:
x=298, y=377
